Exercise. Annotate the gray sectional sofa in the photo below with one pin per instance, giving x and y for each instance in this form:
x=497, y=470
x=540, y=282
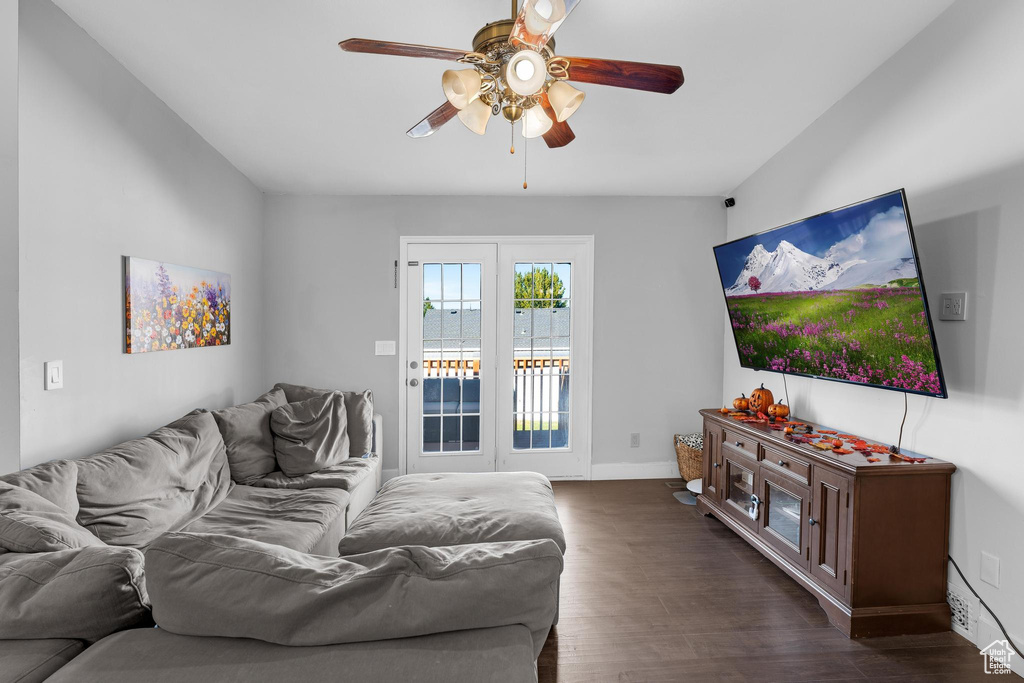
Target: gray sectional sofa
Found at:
x=255, y=540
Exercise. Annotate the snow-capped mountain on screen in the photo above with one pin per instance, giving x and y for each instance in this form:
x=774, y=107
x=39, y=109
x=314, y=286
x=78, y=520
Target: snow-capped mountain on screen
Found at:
x=789, y=269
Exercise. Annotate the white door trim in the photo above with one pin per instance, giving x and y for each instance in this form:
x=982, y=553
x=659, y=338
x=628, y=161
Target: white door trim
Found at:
x=403, y=269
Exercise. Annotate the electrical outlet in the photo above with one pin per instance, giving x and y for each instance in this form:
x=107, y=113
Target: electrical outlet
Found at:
x=954, y=306
x=634, y=440
x=990, y=569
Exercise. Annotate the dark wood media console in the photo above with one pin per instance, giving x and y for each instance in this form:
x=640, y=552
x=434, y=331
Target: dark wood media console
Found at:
x=869, y=540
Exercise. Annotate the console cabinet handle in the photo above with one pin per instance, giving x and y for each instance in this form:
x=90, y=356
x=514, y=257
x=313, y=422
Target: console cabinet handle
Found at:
x=739, y=443
x=812, y=521
x=782, y=463
x=715, y=464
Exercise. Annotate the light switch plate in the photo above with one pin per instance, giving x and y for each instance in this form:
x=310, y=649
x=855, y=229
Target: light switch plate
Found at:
x=384, y=348
x=53, y=375
x=990, y=569
x=953, y=306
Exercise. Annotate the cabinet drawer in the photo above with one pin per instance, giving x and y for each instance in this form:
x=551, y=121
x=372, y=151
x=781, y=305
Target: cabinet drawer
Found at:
x=743, y=443
x=786, y=463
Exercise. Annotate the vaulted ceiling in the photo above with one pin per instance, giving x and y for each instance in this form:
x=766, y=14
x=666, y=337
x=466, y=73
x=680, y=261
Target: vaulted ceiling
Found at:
x=265, y=83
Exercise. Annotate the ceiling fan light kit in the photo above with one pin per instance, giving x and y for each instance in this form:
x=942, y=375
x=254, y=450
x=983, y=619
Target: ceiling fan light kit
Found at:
x=461, y=87
x=565, y=99
x=514, y=72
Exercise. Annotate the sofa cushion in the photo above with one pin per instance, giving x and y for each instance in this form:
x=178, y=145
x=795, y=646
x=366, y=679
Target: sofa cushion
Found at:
x=202, y=585
x=452, y=509
x=493, y=655
x=346, y=475
x=85, y=593
x=358, y=405
x=247, y=436
x=310, y=435
x=55, y=481
x=33, y=661
x=133, y=492
x=31, y=524
x=299, y=520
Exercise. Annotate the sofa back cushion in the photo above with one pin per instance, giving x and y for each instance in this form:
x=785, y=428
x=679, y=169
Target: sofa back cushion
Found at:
x=55, y=481
x=310, y=435
x=85, y=594
x=31, y=524
x=133, y=492
x=358, y=405
x=247, y=436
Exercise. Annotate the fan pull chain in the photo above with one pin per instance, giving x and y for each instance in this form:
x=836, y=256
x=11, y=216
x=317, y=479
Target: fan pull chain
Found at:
x=512, y=149
x=526, y=151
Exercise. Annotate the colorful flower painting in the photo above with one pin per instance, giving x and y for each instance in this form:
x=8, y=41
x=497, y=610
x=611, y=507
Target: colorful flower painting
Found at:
x=170, y=307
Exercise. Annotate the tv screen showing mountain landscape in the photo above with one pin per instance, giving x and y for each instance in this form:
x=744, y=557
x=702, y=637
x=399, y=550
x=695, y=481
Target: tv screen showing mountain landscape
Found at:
x=836, y=296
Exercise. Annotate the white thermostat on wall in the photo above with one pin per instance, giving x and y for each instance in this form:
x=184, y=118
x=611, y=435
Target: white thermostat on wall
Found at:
x=53, y=375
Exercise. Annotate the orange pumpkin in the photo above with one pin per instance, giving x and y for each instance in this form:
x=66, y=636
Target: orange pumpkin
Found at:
x=780, y=411
x=741, y=403
x=838, y=443
x=724, y=411
x=760, y=399
x=788, y=430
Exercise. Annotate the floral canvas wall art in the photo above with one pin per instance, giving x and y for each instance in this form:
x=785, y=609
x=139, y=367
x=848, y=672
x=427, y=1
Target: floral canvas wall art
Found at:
x=170, y=307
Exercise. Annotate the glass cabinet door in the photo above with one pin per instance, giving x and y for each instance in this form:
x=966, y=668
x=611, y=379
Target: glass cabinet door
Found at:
x=785, y=513
x=740, y=497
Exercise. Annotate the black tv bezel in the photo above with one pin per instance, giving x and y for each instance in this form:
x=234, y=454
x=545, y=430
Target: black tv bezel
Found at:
x=924, y=296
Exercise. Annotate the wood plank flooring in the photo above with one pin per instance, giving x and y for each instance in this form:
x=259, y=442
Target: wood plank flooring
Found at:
x=654, y=591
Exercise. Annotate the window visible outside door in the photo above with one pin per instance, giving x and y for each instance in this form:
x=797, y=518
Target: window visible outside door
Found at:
x=496, y=356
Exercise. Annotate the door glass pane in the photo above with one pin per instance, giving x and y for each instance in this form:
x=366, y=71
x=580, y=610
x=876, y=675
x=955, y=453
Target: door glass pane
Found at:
x=451, y=357
x=784, y=514
x=541, y=349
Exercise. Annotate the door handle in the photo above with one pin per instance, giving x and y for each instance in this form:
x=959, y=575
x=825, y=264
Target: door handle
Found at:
x=414, y=383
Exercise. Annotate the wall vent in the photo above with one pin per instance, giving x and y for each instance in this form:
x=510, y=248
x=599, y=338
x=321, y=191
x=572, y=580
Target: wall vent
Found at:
x=964, y=608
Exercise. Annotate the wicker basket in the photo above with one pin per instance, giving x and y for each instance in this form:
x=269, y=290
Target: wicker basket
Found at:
x=690, y=455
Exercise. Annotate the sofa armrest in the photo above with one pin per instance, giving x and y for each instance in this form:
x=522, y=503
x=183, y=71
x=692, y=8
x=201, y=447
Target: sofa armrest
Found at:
x=82, y=593
x=212, y=585
x=378, y=435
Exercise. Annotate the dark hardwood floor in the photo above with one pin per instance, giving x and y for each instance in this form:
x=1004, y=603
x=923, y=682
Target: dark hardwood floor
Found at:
x=654, y=591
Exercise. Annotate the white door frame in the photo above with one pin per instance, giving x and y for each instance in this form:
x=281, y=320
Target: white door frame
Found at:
x=403, y=362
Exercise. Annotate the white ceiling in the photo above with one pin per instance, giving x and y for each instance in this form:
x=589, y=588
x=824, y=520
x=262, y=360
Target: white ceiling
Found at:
x=265, y=83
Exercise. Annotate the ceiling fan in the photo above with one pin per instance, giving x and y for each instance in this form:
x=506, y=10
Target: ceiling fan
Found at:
x=515, y=72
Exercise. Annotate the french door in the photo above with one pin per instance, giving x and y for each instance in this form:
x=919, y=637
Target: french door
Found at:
x=496, y=358
x=451, y=309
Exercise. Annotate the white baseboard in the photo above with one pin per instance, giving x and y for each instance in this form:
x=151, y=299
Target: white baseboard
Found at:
x=634, y=470
x=988, y=632
x=388, y=474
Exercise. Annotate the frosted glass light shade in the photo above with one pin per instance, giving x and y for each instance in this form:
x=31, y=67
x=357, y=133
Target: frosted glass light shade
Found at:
x=542, y=14
x=536, y=122
x=564, y=99
x=526, y=72
x=461, y=87
x=475, y=116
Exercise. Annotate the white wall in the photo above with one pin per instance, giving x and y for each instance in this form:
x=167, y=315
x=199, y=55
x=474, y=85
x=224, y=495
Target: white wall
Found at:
x=9, y=420
x=108, y=170
x=943, y=119
x=330, y=294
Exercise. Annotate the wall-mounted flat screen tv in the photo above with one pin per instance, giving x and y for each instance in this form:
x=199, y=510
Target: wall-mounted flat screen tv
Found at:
x=836, y=296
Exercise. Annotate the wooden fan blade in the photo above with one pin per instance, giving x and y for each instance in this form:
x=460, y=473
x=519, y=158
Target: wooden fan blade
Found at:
x=634, y=75
x=521, y=31
x=560, y=134
x=382, y=47
x=437, y=118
